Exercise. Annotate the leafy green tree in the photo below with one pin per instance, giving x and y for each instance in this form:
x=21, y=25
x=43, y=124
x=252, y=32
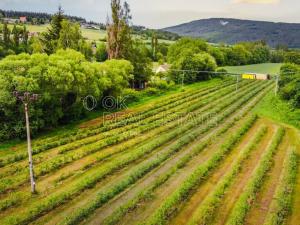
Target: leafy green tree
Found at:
x=218, y=54
x=290, y=83
x=62, y=80
x=119, y=38
x=16, y=36
x=70, y=35
x=260, y=54
x=25, y=36
x=101, y=52
x=36, y=46
x=6, y=35
x=195, y=63
x=86, y=49
x=277, y=56
x=50, y=38
x=154, y=46
x=292, y=57
x=238, y=55
x=194, y=45
x=138, y=56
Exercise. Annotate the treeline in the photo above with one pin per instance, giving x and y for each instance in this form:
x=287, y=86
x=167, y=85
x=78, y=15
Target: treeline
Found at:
x=36, y=17
x=62, y=80
x=192, y=55
x=289, y=83
x=61, y=67
x=13, y=41
x=39, y=18
x=160, y=34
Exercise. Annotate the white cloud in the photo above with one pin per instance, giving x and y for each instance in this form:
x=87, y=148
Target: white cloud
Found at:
x=257, y=1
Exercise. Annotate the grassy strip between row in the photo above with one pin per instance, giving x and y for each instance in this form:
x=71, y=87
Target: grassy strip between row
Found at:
x=243, y=204
x=62, y=160
x=15, y=199
x=146, y=110
x=156, y=118
x=126, y=131
x=117, y=215
x=82, y=213
x=119, y=122
x=89, y=180
x=46, y=146
x=281, y=206
x=171, y=204
x=205, y=213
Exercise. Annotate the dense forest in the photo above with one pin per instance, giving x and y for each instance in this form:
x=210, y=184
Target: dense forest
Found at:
x=36, y=17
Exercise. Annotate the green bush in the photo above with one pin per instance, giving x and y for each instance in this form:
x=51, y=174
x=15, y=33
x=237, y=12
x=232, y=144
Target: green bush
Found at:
x=289, y=84
x=62, y=80
x=161, y=84
x=131, y=95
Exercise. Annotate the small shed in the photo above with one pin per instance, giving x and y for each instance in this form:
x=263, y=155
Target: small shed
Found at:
x=260, y=76
x=163, y=68
x=23, y=19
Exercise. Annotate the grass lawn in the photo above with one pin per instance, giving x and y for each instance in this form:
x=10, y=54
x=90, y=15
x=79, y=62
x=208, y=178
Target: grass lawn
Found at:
x=274, y=108
x=269, y=68
x=90, y=34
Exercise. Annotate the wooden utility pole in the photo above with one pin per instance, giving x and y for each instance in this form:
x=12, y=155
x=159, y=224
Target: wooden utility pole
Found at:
x=276, y=86
x=237, y=83
x=26, y=99
x=182, y=82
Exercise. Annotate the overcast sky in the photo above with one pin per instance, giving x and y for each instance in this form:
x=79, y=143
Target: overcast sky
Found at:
x=163, y=13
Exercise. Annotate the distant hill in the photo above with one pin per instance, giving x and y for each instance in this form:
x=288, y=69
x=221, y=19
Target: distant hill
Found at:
x=231, y=31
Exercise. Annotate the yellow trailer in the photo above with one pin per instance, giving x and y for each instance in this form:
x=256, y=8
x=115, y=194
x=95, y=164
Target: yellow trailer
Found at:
x=249, y=76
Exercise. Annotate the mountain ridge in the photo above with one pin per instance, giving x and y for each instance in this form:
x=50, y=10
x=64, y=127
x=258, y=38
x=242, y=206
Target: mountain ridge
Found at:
x=231, y=31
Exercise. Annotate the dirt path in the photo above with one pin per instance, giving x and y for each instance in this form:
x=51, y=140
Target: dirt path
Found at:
x=260, y=208
x=242, y=178
x=88, y=195
x=295, y=216
x=102, y=212
x=47, y=183
x=146, y=208
x=188, y=209
x=105, y=211
x=89, y=160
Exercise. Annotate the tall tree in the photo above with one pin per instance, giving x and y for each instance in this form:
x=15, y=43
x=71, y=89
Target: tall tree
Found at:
x=154, y=45
x=70, y=35
x=16, y=36
x=118, y=30
x=6, y=34
x=25, y=36
x=50, y=38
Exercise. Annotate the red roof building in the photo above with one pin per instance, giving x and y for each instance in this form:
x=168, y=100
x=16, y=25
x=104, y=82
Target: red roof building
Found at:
x=23, y=19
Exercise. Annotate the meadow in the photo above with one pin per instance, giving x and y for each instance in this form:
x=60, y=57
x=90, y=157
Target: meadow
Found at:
x=89, y=34
x=198, y=155
x=267, y=68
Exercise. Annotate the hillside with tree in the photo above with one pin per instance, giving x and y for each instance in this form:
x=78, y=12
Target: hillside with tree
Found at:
x=231, y=31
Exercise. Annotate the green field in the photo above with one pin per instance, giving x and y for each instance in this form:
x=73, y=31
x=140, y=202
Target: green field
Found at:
x=194, y=156
x=274, y=108
x=89, y=34
x=267, y=68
